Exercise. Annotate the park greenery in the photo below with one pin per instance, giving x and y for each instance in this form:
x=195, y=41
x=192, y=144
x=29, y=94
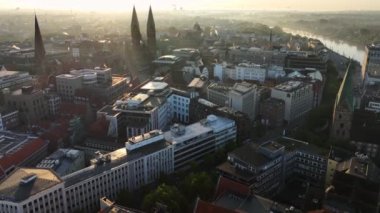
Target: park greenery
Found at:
x=179, y=191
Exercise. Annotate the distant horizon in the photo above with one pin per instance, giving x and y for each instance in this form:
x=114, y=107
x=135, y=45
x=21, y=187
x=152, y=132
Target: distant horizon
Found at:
x=194, y=5
x=30, y=10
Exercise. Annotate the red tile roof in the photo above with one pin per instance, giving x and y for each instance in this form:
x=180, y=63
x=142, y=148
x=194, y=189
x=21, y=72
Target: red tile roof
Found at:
x=73, y=109
x=227, y=185
x=206, y=207
x=19, y=156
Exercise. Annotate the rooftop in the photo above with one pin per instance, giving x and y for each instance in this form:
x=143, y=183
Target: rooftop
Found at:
x=255, y=203
x=249, y=153
x=243, y=87
x=206, y=102
x=290, y=86
x=272, y=146
x=143, y=137
x=206, y=207
x=68, y=76
x=292, y=144
x=250, y=65
x=11, y=142
x=223, y=88
x=82, y=72
x=32, y=91
x=61, y=160
x=7, y=73
x=211, y=124
x=374, y=46
x=155, y=85
x=360, y=166
x=140, y=102
x=196, y=83
x=117, y=158
x=167, y=59
x=108, y=109
x=17, y=188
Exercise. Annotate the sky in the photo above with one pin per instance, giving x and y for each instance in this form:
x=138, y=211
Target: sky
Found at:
x=121, y=5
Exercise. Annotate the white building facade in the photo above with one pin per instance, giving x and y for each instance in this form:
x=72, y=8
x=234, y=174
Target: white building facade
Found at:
x=194, y=141
x=143, y=160
x=298, y=98
x=243, y=97
x=243, y=71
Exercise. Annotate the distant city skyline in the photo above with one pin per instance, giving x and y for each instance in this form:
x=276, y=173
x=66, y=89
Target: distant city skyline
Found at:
x=121, y=5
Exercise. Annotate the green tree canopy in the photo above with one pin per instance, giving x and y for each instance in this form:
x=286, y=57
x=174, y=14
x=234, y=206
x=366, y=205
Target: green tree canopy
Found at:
x=198, y=185
x=165, y=195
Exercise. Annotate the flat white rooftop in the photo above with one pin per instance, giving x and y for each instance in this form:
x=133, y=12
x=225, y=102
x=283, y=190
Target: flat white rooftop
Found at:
x=211, y=124
x=154, y=85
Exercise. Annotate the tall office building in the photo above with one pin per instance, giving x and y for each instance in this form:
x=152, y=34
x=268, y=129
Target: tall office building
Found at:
x=298, y=97
x=371, y=64
x=243, y=97
x=194, y=141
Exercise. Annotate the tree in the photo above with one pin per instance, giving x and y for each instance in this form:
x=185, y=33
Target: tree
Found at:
x=198, y=185
x=126, y=198
x=166, y=195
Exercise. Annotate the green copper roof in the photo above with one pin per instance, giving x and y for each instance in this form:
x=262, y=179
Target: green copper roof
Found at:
x=345, y=94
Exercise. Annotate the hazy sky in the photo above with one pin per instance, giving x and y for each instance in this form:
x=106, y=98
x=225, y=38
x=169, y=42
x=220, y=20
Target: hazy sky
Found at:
x=121, y=5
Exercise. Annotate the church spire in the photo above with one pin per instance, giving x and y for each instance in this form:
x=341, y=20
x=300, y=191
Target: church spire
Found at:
x=151, y=33
x=135, y=29
x=39, y=49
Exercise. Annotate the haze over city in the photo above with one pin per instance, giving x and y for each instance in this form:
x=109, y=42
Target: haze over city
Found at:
x=121, y=5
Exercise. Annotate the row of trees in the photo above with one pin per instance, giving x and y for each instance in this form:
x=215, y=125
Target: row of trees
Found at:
x=172, y=194
x=179, y=191
x=322, y=115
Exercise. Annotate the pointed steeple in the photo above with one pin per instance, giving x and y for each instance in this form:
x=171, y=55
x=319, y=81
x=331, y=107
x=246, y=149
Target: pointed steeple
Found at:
x=345, y=94
x=39, y=49
x=151, y=33
x=135, y=29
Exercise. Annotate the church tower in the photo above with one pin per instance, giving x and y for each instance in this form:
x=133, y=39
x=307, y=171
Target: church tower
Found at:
x=151, y=33
x=343, y=108
x=135, y=30
x=39, y=49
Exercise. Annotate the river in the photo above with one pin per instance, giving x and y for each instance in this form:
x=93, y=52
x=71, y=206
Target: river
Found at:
x=340, y=47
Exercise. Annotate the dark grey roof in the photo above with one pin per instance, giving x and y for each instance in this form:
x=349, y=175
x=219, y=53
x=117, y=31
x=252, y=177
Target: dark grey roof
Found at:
x=250, y=155
x=11, y=188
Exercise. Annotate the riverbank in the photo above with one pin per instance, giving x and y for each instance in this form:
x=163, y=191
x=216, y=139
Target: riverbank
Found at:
x=339, y=47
